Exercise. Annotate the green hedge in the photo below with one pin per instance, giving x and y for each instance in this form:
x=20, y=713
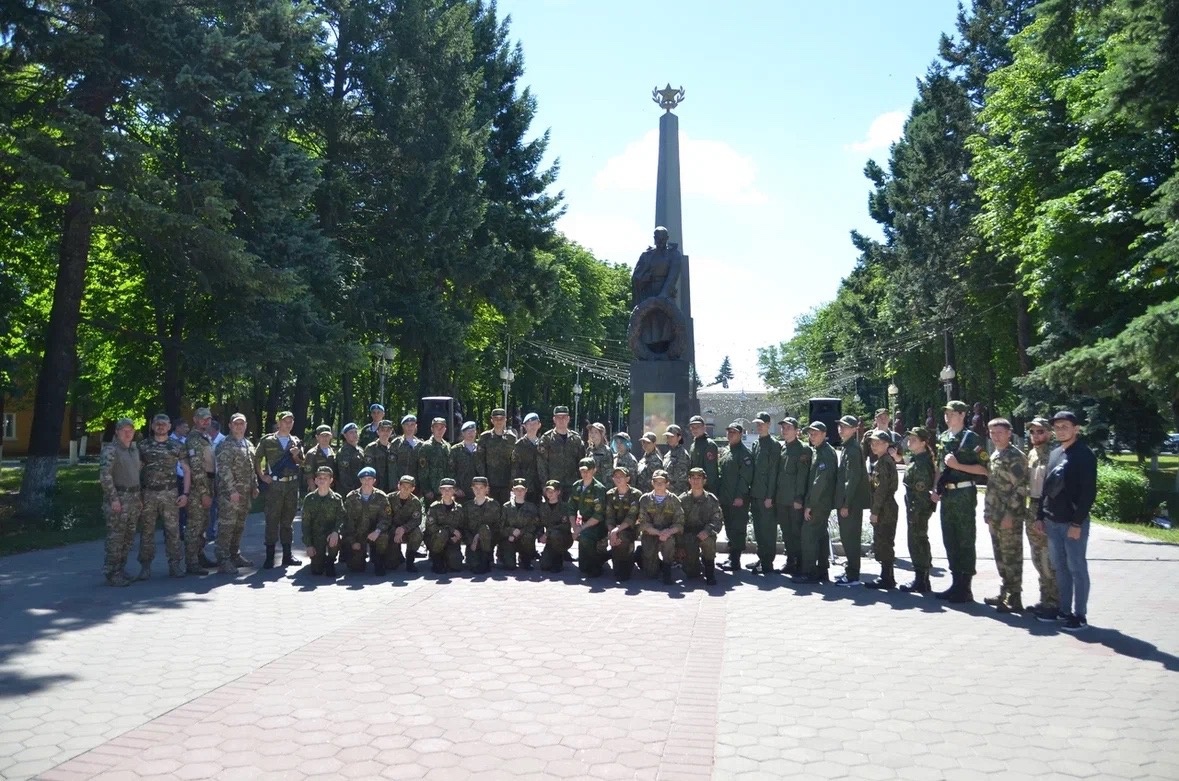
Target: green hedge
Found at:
x=1122, y=494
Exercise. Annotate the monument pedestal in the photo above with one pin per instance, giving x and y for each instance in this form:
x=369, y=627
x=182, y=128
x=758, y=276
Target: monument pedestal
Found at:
x=659, y=396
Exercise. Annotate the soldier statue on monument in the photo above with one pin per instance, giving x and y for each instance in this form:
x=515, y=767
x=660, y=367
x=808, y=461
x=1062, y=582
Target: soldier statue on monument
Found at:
x=658, y=329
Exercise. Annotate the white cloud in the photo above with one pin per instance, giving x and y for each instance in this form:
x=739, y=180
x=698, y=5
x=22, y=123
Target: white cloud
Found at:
x=712, y=169
x=608, y=236
x=884, y=130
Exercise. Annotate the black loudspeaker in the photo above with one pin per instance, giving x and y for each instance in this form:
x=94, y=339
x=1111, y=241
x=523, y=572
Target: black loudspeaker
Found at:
x=444, y=407
x=829, y=411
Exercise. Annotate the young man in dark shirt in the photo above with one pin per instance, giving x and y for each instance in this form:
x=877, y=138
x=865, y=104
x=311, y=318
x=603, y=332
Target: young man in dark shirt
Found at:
x=1063, y=512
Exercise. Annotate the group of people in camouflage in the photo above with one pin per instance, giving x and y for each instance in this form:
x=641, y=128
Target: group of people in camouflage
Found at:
x=492, y=495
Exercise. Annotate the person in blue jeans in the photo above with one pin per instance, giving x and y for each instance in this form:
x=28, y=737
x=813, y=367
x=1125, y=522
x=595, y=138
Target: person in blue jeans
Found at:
x=1063, y=513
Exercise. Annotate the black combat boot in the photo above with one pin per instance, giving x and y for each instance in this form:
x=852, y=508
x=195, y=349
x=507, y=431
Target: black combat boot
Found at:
x=409, y=565
x=268, y=562
x=379, y=568
x=734, y=561
x=329, y=569
x=710, y=573
x=886, y=579
x=920, y=584
x=996, y=601
x=437, y=564
x=666, y=570
x=287, y=559
x=964, y=593
x=952, y=590
x=203, y=560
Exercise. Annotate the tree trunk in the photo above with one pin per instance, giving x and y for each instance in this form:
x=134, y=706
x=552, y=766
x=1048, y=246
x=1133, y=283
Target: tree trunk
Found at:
x=299, y=402
x=951, y=359
x=346, y=399
x=1023, y=332
x=173, y=382
x=272, y=400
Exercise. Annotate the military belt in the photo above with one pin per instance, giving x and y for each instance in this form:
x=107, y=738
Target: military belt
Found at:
x=129, y=489
x=965, y=484
x=285, y=479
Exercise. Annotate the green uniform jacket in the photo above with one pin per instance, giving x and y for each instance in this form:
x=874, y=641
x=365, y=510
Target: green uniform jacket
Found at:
x=350, y=460
x=524, y=464
x=362, y=517
x=622, y=507
x=702, y=513
x=433, y=465
x=475, y=516
x=646, y=467
x=590, y=501
x=317, y=458
x=794, y=470
x=235, y=468
x=523, y=516
x=919, y=481
x=677, y=462
x=270, y=451
x=494, y=457
x=627, y=460
x=554, y=518
x=766, y=454
x=463, y=467
x=159, y=463
x=405, y=459
x=1008, y=486
x=557, y=457
x=704, y=454
x=322, y=515
x=883, y=481
x=820, y=493
x=406, y=513
x=368, y=433
x=444, y=519
x=201, y=461
x=380, y=458
x=109, y=462
x=603, y=461
x=851, y=488
x=734, y=473
x=967, y=448
x=657, y=516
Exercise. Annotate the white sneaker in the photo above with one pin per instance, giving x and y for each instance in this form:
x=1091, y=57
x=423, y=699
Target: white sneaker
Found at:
x=846, y=582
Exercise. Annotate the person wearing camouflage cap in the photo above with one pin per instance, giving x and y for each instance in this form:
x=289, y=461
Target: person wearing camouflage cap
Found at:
x=521, y=521
x=661, y=520
x=650, y=461
x=525, y=458
x=381, y=458
x=559, y=451
x=404, y=538
x=1005, y=511
x=676, y=461
x=496, y=446
x=349, y=460
x=794, y=466
x=920, y=476
x=278, y=461
x=445, y=522
x=703, y=520
x=556, y=529
x=119, y=467
x=622, y=515
x=734, y=482
x=202, y=463
x=322, y=520
x=161, y=456
x=882, y=508
x=434, y=461
x=587, y=511
x=964, y=458
x=817, y=507
x=704, y=453
x=237, y=487
x=766, y=454
x=320, y=455
x=483, y=525
x=403, y=452
x=1039, y=449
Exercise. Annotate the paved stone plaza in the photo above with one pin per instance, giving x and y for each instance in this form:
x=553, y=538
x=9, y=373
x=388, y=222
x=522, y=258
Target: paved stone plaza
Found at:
x=278, y=675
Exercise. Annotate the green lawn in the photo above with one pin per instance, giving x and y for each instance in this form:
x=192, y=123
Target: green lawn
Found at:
x=75, y=514
x=1162, y=488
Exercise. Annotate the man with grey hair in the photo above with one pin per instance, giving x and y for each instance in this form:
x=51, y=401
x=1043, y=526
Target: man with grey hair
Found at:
x=119, y=466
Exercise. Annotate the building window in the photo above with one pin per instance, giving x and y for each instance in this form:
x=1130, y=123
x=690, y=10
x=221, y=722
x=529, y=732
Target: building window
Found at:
x=9, y=425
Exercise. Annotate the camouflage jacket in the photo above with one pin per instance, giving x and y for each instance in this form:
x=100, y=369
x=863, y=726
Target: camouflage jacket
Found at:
x=919, y=481
x=404, y=459
x=476, y=516
x=494, y=457
x=463, y=467
x=1008, y=485
x=202, y=461
x=350, y=461
x=380, y=458
x=967, y=448
x=235, y=468
x=525, y=463
x=322, y=515
x=794, y=469
x=445, y=519
x=554, y=518
x=734, y=474
x=704, y=454
x=657, y=516
x=677, y=462
x=646, y=467
x=270, y=451
x=159, y=463
x=119, y=467
x=766, y=453
x=368, y=433
x=702, y=513
x=883, y=481
x=623, y=507
x=603, y=461
x=628, y=460
x=557, y=457
x=433, y=465
x=523, y=516
x=362, y=517
x=316, y=458
x=406, y=513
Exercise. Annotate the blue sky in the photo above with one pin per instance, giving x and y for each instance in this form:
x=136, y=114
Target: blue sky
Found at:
x=785, y=102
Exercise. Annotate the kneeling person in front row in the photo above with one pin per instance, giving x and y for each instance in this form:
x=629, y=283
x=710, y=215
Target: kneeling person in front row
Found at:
x=557, y=534
x=366, y=518
x=622, y=517
x=519, y=528
x=703, y=519
x=587, y=505
x=406, y=526
x=484, y=518
x=444, y=530
x=661, y=518
x=323, y=517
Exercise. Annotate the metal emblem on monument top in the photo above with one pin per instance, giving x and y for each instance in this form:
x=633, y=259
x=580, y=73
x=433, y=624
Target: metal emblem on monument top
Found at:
x=668, y=97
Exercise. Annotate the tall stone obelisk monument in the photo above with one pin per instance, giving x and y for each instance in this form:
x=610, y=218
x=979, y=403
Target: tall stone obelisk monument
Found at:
x=660, y=335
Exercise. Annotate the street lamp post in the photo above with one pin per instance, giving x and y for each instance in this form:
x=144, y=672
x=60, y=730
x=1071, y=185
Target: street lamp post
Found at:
x=893, y=393
x=620, y=426
x=947, y=377
x=384, y=356
x=508, y=377
x=577, y=402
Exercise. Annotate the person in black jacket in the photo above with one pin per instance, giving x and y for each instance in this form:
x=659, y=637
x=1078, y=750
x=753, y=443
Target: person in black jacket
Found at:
x=1063, y=513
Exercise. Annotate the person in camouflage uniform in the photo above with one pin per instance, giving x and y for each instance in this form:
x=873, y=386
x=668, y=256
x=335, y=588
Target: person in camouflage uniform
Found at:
x=323, y=517
x=349, y=461
x=496, y=446
x=559, y=451
x=464, y=460
x=852, y=497
x=433, y=460
x=556, y=530
x=444, y=531
x=920, y=477
x=372, y=429
x=1005, y=511
x=366, y=519
x=237, y=486
x=587, y=509
x=766, y=454
x=202, y=463
x=525, y=458
x=161, y=455
x=622, y=455
x=378, y=456
x=703, y=453
x=817, y=507
x=882, y=507
x=649, y=462
x=119, y=467
x=483, y=519
x=278, y=460
x=794, y=468
x=404, y=452
x=597, y=449
x=1039, y=432
x=321, y=455
x=405, y=528
x=703, y=520
x=520, y=522
x=661, y=519
x=735, y=478
x=622, y=515
x=965, y=460
x=676, y=461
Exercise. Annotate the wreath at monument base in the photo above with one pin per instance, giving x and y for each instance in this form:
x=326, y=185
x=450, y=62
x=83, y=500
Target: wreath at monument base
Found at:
x=658, y=307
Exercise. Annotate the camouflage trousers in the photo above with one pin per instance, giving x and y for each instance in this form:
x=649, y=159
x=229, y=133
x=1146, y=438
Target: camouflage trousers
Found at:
x=282, y=500
x=622, y=555
x=160, y=504
x=120, y=530
x=958, y=529
x=198, y=521
x=884, y=535
x=478, y=554
x=555, y=547
x=656, y=553
x=231, y=521
x=1007, y=545
x=324, y=555
x=736, y=521
x=1038, y=542
x=354, y=553
x=695, y=549
x=790, y=522
x=511, y=553
x=393, y=552
x=917, y=514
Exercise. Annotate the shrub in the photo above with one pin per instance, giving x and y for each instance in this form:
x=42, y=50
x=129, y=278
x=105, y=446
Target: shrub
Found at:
x=1122, y=494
